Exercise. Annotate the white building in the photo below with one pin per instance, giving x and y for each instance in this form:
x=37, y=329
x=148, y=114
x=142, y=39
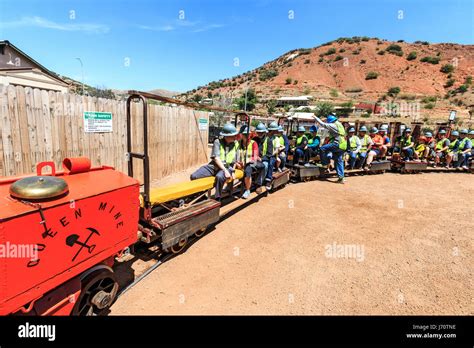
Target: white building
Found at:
x=294, y=101
x=17, y=68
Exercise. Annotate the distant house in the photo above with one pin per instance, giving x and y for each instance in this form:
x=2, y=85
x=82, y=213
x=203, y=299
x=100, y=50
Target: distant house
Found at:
x=19, y=69
x=294, y=101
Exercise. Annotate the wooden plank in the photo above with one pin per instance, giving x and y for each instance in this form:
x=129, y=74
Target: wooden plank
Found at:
x=55, y=134
x=14, y=129
x=47, y=122
x=32, y=134
x=23, y=129
x=7, y=142
x=38, y=122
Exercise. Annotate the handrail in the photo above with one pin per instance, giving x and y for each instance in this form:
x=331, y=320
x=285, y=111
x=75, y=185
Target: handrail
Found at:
x=143, y=156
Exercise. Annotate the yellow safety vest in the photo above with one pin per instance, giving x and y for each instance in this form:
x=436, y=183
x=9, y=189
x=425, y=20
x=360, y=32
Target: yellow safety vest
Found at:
x=230, y=156
x=461, y=145
x=248, y=155
x=364, y=143
x=440, y=143
x=353, y=142
x=341, y=137
x=299, y=140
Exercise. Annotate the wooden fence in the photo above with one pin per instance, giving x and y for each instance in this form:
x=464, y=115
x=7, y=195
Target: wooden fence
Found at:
x=38, y=125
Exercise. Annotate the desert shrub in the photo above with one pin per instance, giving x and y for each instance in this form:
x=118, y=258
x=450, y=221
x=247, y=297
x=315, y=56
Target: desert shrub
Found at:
x=462, y=89
x=395, y=49
x=432, y=60
x=305, y=51
x=468, y=80
x=354, y=90
x=330, y=51
x=429, y=99
x=393, y=91
x=288, y=80
x=429, y=106
x=267, y=74
x=447, y=68
x=412, y=55
x=342, y=50
x=307, y=61
x=371, y=75
x=320, y=60
x=337, y=58
x=362, y=61
x=381, y=53
x=449, y=83
x=333, y=93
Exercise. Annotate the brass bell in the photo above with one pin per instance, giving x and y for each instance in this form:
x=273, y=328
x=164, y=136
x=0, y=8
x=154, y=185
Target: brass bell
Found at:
x=39, y=187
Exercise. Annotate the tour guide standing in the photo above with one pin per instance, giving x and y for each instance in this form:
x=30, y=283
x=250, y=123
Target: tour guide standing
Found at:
x=225, y=158
x=337, y=145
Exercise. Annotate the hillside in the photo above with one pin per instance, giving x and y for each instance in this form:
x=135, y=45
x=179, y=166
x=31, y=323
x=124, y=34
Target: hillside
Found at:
x=362, y=69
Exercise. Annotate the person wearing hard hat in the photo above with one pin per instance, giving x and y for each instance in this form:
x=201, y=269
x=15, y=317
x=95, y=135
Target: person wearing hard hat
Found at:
x=406, y=144
x=471, y=136
x=354, y=147
x=337, y=144
x=420, y=148
x=386, y=143
x=441, y=147
x=271, y=153
x=265, y=148
x=225, y=158
x=464, y=149
x=430, y=146
x=377, y=142
x=252, y=162
x=312, y=148
x=365, y=145
x=300, y=145
x=284, y=145
x=453, y=148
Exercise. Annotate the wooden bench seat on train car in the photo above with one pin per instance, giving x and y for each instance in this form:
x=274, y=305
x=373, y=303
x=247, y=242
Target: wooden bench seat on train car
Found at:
x=159, y=195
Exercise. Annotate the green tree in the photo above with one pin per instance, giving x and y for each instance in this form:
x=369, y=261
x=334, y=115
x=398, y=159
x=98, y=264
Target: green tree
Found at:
x=324, y=109
x=251, y=100
x=393, y=91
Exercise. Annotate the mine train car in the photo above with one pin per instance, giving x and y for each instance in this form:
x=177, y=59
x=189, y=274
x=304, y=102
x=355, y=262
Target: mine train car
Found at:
x=63, y=232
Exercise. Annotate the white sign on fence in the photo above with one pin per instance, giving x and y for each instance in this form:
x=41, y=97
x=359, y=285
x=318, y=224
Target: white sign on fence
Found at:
x=97, y=122
x=202, y=124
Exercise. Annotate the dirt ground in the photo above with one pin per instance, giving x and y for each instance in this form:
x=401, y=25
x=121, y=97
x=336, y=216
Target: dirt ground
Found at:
x=380, y=244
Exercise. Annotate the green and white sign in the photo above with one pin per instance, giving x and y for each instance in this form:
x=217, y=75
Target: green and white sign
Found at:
x=97, y=122
x=203, y=124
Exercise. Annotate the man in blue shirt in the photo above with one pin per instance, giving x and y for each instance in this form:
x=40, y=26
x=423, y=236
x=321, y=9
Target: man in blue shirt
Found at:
x=312, y=148
x=464, y=149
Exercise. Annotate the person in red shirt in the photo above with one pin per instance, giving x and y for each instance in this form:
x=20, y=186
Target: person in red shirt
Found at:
x=375, y=150
x=252, y=161
x=386, y=144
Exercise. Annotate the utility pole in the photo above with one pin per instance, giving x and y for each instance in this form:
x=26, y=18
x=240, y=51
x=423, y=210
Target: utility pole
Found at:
x=82, y=69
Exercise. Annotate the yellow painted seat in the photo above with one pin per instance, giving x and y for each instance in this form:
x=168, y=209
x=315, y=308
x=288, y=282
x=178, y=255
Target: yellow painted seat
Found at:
x=168, y=193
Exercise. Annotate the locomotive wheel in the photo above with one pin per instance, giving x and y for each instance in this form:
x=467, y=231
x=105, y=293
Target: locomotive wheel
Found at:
x=200, y=233
x=178, y=247
x=98, y=292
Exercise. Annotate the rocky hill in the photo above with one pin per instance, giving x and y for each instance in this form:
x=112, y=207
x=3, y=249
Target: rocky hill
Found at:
x=362, y=69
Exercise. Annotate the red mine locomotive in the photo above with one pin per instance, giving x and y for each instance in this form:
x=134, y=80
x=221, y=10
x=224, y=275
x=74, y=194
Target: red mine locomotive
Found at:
x=60, y=234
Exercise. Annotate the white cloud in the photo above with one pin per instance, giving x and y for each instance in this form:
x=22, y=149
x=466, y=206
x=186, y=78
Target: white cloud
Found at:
x=162, y=28
x=181, y=23
x=208, y=27
x=41, y=22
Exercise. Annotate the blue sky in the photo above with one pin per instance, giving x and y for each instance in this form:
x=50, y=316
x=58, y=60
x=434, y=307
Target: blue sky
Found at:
x=178, y=45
